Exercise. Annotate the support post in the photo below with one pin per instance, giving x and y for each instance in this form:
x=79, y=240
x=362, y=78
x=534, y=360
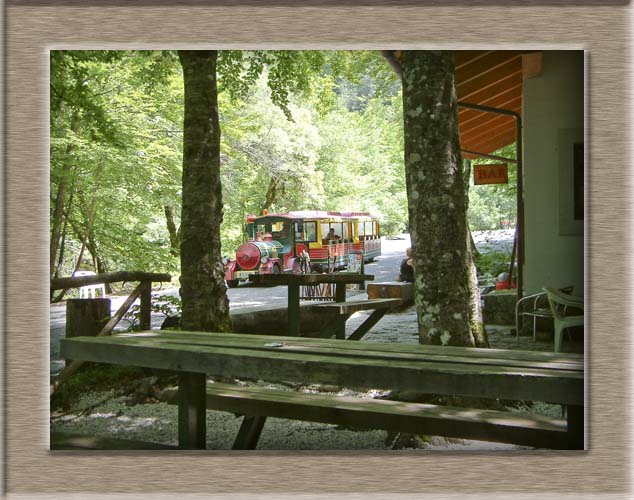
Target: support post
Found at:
x=340, y=296
x=293, y=311
x=192, y=406
x=86, y=317
x=249, y=433
x=145, y=313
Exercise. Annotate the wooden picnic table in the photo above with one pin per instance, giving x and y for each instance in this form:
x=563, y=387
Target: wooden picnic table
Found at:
x=481, y=373
x=295, y=281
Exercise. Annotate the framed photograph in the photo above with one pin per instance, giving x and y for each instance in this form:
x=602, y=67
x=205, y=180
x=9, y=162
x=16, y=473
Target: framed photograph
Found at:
x=596, y=156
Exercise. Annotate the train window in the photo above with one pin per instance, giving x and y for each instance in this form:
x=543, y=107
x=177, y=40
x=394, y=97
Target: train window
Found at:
x=306, y=231
x=310, y=231
x=336, y=226
x=261, y=230
x=325, y=227
x=361, y=228
x=345, y=234
x=279, y=230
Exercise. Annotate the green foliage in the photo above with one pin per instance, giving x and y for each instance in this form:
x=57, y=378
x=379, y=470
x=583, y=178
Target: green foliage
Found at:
x=115, y=142
x=491, y=264
x=490, y=205
x=300, y=130
x=167, y=305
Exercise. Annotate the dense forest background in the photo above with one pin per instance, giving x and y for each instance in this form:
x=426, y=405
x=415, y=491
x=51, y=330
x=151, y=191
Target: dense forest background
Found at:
x=335, y=142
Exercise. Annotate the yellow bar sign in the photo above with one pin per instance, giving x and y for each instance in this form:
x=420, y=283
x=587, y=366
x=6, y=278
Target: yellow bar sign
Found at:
x=491, y=174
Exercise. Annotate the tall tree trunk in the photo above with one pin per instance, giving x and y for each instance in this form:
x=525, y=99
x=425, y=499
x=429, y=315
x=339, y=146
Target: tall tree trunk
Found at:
x=475, y=306
x=62, y=245
x=83, y=236
x=205, y=304
x=60, y=199
x=87, y=231
x=100, y=266
x=175, y=234
x=271, y=193
x=436, y=199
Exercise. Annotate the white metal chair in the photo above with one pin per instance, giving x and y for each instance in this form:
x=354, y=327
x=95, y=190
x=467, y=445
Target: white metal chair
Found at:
x=535, y=311
x=90, y=291
x=559, y=302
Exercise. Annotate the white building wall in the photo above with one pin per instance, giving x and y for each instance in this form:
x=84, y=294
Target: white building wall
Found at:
x=552, y=123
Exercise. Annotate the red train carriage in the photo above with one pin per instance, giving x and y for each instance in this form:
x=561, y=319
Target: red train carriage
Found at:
x=316, y=241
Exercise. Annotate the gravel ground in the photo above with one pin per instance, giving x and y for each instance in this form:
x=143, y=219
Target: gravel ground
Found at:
x=110, y=416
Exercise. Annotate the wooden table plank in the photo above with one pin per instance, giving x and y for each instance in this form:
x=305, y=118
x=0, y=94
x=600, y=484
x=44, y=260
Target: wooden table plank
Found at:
x=348, y=370
x=378, y=350
x=309, y=279
x=360, y=305
x=474, y=352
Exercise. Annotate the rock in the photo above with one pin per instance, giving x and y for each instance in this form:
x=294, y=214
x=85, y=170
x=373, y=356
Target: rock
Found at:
x=145, y=390
x=171, y=322
x=499, y=307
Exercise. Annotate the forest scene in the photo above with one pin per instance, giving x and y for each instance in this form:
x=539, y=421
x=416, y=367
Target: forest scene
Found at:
x=297, y=239
x=300, y=130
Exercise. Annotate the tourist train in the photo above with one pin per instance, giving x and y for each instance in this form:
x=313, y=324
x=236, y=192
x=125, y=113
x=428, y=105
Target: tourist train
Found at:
x=304, y=241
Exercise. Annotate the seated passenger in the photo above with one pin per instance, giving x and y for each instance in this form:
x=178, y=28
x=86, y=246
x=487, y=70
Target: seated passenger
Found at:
x=407, y=267
x=332, y=235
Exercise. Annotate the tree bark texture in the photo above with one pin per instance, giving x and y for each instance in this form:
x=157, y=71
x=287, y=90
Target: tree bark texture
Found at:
x=476, y=319
x=175, y=234
x=271, y=193
x=60, y=199
x=436, y=199
x=205, y=306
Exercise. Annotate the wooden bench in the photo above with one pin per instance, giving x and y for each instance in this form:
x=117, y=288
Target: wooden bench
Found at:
x=556, y=378
x=345, y=309
x=257, y=403
x=392, y=290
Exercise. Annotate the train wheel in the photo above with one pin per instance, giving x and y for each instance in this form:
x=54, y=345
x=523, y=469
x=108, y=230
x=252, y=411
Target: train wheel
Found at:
x=233, y=283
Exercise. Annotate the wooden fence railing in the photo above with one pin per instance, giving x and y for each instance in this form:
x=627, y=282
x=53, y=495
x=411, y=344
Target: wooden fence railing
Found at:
x=142, y=291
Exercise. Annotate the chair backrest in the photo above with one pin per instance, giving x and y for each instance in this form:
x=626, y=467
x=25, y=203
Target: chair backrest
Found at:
x=559, y=301
x=83, y=273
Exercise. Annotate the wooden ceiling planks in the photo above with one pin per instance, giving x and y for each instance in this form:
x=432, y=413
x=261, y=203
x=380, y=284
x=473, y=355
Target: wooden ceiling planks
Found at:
x=489, y=78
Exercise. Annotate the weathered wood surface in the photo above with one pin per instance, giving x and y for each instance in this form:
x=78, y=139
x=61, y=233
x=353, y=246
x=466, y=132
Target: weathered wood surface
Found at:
x=192, y=424
x=271, y=320
x=249, y=433
x=365, y=327
x=86, y=317
x=360, y=305
x=256, y=403
x=309, y=279
x=123, y=276
x=449, y=370
x=392, y=290
x=549, y=359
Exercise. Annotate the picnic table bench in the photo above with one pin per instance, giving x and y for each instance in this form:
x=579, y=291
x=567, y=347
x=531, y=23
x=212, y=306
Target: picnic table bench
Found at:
x=453, y=371
x=295, y=281
x=378, y=307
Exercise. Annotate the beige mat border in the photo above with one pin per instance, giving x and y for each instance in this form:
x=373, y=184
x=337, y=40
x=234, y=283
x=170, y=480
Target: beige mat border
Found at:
x=31, y=31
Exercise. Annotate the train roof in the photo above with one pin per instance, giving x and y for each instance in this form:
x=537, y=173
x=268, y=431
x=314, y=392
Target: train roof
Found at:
x=320, y=214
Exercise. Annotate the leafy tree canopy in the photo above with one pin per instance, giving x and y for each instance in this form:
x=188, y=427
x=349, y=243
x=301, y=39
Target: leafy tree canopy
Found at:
x=300, y=130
